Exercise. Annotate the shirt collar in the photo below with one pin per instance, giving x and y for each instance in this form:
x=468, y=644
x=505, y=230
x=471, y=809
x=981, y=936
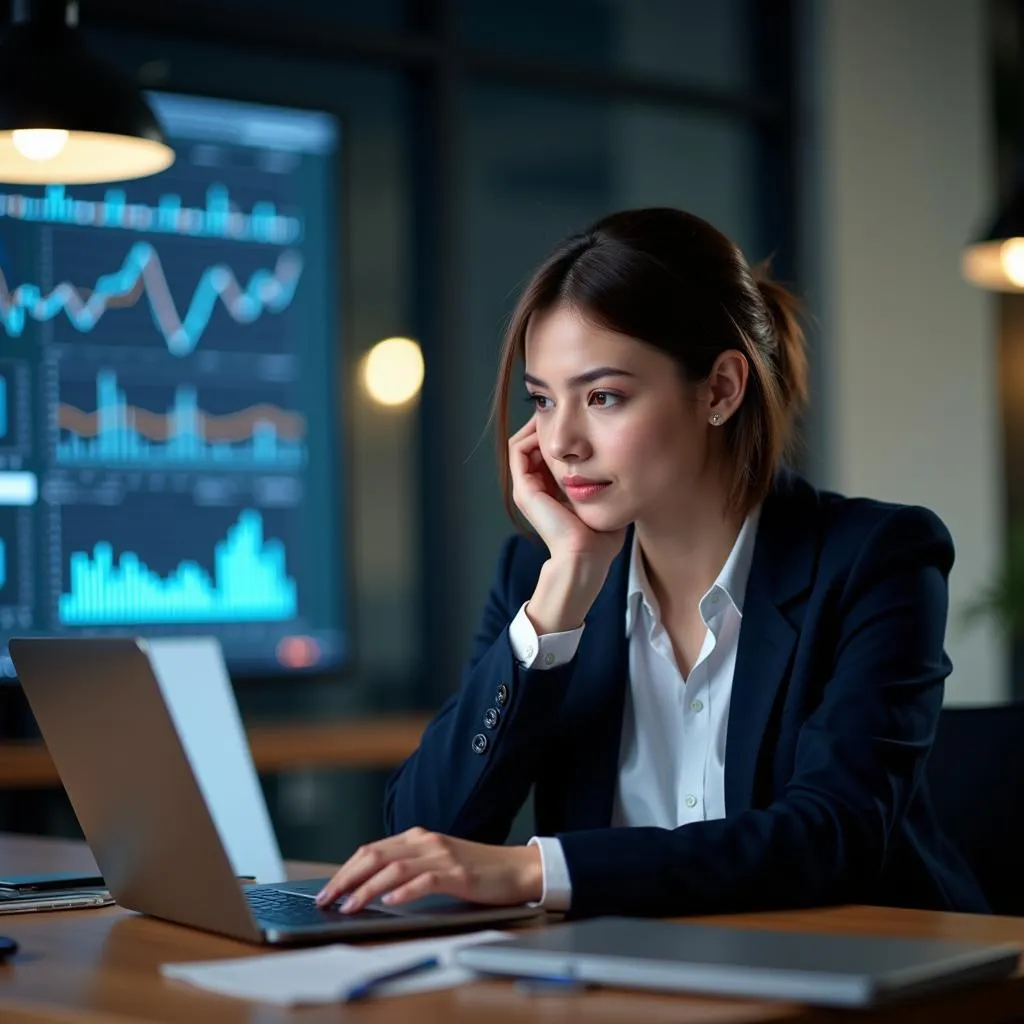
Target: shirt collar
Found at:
x=731, y=582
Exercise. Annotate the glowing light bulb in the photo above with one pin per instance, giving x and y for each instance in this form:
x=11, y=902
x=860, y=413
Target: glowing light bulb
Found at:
x=1011, y=255
x=393, y=371
x=39, y=143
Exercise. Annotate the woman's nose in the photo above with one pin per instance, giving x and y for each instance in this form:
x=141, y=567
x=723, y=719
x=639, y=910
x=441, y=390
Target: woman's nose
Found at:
x=567, y=441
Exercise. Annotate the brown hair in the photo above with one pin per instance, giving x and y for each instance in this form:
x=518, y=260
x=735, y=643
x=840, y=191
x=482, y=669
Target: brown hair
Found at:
x=671, y=280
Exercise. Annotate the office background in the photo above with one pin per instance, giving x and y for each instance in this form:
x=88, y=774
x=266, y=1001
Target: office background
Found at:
x=858, y=143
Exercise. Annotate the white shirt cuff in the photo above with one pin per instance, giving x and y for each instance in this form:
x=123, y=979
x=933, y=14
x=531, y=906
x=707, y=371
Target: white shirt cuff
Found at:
x=557, y=891
x=548, y=651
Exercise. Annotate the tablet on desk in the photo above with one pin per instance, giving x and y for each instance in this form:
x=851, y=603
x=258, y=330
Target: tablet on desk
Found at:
x=60, y=899
x=59, y=880
x=831, y=970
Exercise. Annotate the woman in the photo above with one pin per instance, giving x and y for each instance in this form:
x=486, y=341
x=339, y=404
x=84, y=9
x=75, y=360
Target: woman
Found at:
x=721, y=683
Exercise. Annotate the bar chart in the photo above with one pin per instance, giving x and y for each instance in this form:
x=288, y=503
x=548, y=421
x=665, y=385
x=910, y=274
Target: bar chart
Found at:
x=249, y=583
x=262, y=435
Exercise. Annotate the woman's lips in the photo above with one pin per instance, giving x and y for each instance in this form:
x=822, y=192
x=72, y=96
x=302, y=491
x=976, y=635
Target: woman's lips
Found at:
x=585, y=491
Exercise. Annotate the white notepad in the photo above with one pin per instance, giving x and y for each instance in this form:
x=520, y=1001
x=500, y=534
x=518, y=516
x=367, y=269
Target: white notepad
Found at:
x=327, y=974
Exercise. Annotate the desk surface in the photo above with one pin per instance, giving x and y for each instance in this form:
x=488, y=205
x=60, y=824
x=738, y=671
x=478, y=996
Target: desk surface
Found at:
x=101, y=967
x=381, y=741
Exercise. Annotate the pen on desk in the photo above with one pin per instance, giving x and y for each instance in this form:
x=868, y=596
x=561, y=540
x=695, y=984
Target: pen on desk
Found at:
x=549, y=985
x=364, y=988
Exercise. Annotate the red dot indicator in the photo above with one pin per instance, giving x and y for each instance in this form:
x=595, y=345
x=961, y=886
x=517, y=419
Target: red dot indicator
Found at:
x=298, y=652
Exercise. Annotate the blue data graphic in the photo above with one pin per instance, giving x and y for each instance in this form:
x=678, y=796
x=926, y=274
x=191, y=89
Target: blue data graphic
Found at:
x=249, y=584
x=15, y=410
x=15, y=545
x=142, y=273
x=261, y=436
x=220, y=218
x=169, y=395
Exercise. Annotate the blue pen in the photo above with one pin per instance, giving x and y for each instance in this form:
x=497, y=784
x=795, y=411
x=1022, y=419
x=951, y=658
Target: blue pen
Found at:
x=549, y=984
x=364, y=989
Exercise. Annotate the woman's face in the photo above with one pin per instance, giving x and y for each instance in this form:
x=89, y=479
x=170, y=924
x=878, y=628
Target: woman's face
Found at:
x=622, y=434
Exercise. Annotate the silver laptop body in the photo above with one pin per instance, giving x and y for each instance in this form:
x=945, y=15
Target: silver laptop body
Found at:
x=107, y=726
x=834, y=970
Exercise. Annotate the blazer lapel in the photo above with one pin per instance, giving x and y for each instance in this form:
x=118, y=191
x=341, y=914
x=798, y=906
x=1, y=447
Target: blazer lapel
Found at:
x=782, y=570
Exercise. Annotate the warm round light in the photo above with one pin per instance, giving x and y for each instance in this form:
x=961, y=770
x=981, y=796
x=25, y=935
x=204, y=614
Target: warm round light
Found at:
x=393, y=371
x=39, y=143
x=1011, y=256
x=85, y=158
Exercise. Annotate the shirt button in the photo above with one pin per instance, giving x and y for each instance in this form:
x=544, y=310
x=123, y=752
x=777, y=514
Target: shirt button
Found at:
x=697, y=705
x=502, y=695
x=714, y=597
x=691, y=801
x=528, y=654
x=479, y=743
x=549, y=659
x=491, y=718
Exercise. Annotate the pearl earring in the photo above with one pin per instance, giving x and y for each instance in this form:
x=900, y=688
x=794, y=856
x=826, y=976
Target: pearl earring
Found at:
x=716, y=418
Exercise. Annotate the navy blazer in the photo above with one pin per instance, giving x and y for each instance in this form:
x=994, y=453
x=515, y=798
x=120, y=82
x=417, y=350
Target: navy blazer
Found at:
x=836, y=694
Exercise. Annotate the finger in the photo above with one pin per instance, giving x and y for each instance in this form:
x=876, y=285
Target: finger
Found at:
x=424, y=885
x=529, y=427
x=519, y=452
x=526, y=444
x=526, y=457
x=394, y=875
x=367, y=861
x=541, y=473
x=522, y=463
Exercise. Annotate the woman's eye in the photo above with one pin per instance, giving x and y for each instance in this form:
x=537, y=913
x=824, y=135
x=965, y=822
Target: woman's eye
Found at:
x=605, y=399
x=538, y=400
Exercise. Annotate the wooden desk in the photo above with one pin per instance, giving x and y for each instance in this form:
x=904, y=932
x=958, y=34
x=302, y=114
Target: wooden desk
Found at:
x=101, y=967
x=378, y=742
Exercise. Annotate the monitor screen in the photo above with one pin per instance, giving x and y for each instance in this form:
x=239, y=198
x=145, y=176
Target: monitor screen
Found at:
x=169, y=456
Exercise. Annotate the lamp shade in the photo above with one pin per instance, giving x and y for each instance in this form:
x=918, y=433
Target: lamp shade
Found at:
x=66, y=117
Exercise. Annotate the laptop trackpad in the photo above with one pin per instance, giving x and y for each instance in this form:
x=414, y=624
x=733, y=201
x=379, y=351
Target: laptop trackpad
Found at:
x=437, y=904
x=309, y=888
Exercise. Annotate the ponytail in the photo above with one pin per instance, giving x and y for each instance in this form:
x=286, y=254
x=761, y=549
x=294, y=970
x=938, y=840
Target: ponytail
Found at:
x=784, y=309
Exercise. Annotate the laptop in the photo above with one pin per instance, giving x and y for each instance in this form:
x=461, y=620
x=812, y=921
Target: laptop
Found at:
x=108, y=712
x=831, y=970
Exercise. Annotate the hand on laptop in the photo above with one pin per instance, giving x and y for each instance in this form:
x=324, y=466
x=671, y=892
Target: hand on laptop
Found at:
x=419, y=863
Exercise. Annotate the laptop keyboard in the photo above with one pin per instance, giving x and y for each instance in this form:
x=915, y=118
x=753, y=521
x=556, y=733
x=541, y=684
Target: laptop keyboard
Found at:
x=286, y=908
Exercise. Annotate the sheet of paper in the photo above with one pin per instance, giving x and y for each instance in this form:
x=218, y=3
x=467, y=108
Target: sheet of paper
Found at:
x=325, y=974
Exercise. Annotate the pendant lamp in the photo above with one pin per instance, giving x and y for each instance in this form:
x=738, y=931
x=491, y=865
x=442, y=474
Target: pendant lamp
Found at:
x=66, y=117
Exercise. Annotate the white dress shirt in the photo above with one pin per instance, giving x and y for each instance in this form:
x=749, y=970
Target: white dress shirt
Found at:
x=672, y=753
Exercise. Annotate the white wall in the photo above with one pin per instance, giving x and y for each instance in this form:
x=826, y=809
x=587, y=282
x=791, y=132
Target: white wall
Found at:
x=907, y=380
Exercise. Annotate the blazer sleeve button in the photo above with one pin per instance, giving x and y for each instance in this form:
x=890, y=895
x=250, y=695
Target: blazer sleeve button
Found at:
x=502, y=695
x=479, y=743
x=491, y=718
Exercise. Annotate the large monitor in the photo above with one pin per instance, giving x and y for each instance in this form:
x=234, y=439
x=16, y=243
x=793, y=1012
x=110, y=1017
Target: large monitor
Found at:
x=169, y=457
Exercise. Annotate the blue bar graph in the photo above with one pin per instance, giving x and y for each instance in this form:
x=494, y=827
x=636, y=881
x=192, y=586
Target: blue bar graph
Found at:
x=219, y=218
x=184, y=430
x=249, y=584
